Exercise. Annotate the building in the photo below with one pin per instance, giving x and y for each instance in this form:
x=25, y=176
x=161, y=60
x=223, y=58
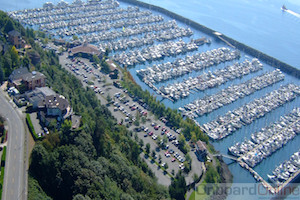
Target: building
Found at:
x=15, y=39
x=85, y=50
x=54, y=107
x=113, y=69
x=75, y=119
x=37, y=95
x=59, y=42
x=201, y=149
x=31, y=80
x=16, y=76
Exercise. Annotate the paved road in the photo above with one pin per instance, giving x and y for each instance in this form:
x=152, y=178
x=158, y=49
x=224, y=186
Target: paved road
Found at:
x=14, y=186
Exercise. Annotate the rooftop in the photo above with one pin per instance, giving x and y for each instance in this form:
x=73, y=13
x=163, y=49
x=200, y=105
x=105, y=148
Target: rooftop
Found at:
x=86, y=48
x=33, y=76
x=14, y=33
x=56, y=101
x=18, y=73
x=201, y=146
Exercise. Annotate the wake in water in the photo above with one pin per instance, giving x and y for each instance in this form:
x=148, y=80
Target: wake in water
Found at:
x=283, y=8
x=293, y=13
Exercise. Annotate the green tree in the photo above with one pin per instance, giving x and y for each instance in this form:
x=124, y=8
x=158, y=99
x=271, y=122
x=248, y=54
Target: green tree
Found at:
x=147, y=148
x=108, y=98
x=8, y=26
x=66, y=126
x=25, y=61
x=14, y=56
x=1, y=75
x=143, y=120
x=153, y=153
x=136, y=137
x=166, y=166
x=81, y=197
x=141, y=143
x=75, y=37
x=96, y=59
x=178, y=188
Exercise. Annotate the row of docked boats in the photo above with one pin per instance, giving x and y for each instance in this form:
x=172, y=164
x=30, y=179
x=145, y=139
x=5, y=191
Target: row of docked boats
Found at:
x=211, y=79
x=246, y=114
x=146, y=39
x=129, y=32
x=286, y=170
x=232, y=93
x=102, y=21
x=51, y=13
x=170, y=70
x=268, y=140
x=86, y=26
x=154, y=52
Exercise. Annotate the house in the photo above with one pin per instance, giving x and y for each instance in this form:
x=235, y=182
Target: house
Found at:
x=54, y=107
x=15, y=39
x=85, y=50
x=59, y=42
x=113, y=69
x=201, y=149
x=37, y=95
x=75, y=119
x=31, y=80
x=16, y=76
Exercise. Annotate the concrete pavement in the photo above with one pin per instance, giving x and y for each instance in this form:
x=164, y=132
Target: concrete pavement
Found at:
x=15, y=183
x=120, y=116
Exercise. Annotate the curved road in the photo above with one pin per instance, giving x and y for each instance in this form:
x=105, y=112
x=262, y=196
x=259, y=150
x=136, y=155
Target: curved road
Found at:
x=14, y=186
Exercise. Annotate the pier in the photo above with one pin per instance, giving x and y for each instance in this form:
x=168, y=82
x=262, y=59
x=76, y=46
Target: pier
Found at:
x=219, y=35
x=267, y=185
x=226, y=156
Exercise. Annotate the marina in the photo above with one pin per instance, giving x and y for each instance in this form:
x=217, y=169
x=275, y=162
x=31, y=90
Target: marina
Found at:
x=211, y=79
x=230, y=94
x=245, y=115
x=200, y=76
x=265, y=142
x=289, y=169
x=165, y=71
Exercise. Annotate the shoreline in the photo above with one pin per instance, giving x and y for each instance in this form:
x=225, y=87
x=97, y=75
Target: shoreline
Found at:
x=240, y=46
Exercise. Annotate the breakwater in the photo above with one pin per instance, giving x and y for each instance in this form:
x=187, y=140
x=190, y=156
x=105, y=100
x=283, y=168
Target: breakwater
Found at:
x=242, y=47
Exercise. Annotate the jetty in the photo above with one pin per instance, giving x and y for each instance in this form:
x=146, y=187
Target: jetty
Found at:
x=293, y=71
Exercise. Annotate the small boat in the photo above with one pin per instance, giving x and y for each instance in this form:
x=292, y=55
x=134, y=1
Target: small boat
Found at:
x=283, y=8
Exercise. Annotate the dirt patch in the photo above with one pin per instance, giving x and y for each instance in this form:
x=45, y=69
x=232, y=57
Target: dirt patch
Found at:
x=31, y=144
x=226, y=181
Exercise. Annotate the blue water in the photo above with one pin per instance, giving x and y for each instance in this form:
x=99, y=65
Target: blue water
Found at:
x=259, y=24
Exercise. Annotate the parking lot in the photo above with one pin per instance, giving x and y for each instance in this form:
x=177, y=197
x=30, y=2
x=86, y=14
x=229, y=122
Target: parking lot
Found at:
x=126, y=110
